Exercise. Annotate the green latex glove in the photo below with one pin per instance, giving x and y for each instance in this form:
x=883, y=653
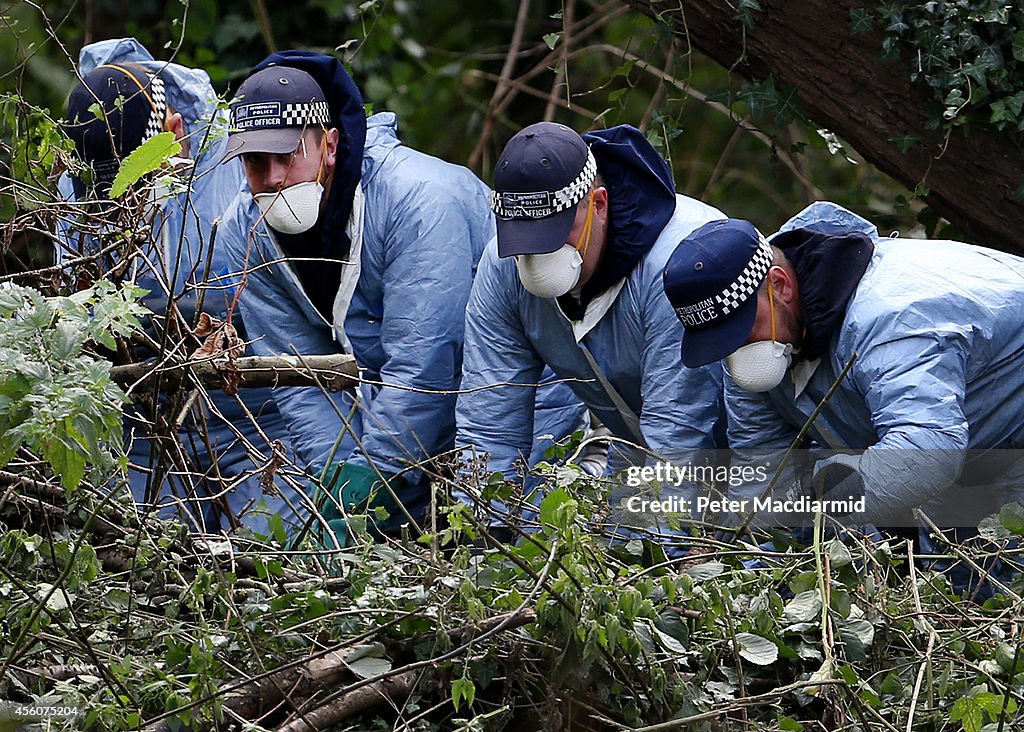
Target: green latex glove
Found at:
x=360, y=490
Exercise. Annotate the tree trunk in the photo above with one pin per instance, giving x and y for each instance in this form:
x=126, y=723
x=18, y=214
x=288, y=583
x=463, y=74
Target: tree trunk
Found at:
x=842, y=84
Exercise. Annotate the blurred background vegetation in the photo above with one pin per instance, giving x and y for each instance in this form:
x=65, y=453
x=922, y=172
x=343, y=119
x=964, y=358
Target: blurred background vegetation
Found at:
x=463, y=77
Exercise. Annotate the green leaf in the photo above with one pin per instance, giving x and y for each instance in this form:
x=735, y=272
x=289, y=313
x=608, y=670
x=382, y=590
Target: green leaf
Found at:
x=967, y=712
x=860, y=21
x=858, y=635
x=463, y=688
x=144, y=159
x=803, y=608
x=552, y=39
x=704, y=571
x=838, y=554
x=549, y=506
x=669, y=643
x=788, y=724
x=1011, y=516
x=757, y=649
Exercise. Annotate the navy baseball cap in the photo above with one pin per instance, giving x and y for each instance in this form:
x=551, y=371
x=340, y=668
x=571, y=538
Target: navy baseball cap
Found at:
x=272, y=108
x=544, y=171
x=133, y=108
x=712, y=279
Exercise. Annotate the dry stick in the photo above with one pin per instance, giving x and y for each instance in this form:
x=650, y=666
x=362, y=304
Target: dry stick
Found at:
x=529, y=90
x=336, y=371
x=717, y=106
x=1012, y=674
x=16, y=647
x=562, y=72
x=299, y=667
x=499, y=88
x=497, y=106
x=800, y=436
x=660, y=91
x=750, y=701
x=921, y=515
x=923, y=624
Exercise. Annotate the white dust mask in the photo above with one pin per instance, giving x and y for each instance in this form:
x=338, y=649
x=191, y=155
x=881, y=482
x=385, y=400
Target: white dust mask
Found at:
x=294, y=209
x=550, y=275
x=759, y=366
x=762, y=365
x=558, y=272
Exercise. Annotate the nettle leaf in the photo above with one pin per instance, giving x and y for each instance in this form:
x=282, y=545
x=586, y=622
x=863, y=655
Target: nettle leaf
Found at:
x=1011, y=516
x=704, y=571
x=803, y=608
x=757, y=649
x=146, y=158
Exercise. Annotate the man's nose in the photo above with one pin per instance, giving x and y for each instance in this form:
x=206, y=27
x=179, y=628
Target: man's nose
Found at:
x=276, y=174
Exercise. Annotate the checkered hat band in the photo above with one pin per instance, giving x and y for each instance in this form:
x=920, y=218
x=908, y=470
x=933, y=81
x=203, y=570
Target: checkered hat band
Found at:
x=158, y=113
x=710, y=310
x=274, y=115
x=540, y=204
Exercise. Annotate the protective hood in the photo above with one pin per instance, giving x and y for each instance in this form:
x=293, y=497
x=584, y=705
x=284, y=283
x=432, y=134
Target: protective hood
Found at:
x=189, y=92
x=641, y=200
x=346, y=106
x=828, y=269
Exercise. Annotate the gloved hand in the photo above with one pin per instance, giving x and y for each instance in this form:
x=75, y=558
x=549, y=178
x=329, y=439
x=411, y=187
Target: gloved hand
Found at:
x=359, y=490
x=839, y=483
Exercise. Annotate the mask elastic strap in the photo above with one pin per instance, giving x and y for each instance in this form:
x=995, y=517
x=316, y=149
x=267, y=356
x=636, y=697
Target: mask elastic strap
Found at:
x=771, y=306
x=587, y=226
x=323, y=152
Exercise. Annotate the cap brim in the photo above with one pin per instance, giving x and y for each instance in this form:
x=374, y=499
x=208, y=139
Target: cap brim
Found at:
x=707, y=345
x=534, y=236
x=277, y=141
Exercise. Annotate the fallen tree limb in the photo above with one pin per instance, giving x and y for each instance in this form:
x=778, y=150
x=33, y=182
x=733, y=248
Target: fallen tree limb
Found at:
x=321, y=672
x=393, y=688
x=334, y=371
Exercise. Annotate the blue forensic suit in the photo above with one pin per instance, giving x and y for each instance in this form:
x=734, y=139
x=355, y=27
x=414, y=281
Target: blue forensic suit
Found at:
x=176, y=266
x=416, y=231
x=935, y=326
x=628, y=330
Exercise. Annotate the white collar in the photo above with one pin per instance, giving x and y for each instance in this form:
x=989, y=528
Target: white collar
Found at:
x=802, y=374
x=596, y=310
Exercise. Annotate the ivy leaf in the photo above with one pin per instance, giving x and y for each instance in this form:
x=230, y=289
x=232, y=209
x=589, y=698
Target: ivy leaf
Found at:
x=905, y=142
x=552, y=39
x=146, y=158
x=860, y=21
x=757, y=649
x=1018, y=46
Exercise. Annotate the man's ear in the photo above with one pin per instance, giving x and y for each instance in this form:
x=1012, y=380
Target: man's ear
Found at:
x=601, y=203
x=331, y=154
x=176, y=124
x=783, y=283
